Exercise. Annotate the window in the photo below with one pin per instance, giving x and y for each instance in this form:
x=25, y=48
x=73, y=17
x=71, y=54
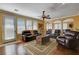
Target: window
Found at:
x=29, y=24
x=64, y=25
x=35, y=24
x=20, y=25
x=9, y=30
x=48, y=26
x=57, y=25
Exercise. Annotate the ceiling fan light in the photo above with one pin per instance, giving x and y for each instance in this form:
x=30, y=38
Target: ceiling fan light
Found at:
x=48, y=17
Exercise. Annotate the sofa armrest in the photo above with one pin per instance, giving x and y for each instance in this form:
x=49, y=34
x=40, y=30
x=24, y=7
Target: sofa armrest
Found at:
x=61, y=37
x=72, y=43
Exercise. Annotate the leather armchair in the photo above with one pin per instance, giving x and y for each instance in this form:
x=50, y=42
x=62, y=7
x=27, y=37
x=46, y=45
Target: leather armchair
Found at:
x=27, y=36
x=49, y=31
x=36, y=33
x=70, y=39
x=56, y=33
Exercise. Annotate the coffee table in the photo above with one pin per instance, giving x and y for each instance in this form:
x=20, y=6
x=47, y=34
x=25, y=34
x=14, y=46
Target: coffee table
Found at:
x=42, y=39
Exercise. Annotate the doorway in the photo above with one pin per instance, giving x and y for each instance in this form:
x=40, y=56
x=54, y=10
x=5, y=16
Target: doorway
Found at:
x=9, y=25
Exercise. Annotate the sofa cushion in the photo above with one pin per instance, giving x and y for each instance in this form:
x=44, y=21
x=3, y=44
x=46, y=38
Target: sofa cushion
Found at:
x=61, y=39
x=70, y=33
x=28, y=34
x=24, y=32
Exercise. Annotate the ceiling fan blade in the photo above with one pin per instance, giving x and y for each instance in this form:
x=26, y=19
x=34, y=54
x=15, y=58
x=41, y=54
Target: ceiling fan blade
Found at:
x=48, y=17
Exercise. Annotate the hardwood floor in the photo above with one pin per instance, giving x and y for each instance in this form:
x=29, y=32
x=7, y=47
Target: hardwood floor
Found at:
x=13, y=49
x=60, y=50
x=17, y=49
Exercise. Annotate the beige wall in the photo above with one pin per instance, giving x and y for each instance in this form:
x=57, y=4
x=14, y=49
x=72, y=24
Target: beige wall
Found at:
x=76, y=23
x=1, y=30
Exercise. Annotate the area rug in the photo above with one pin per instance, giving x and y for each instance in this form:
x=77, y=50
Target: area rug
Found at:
x=38, y=49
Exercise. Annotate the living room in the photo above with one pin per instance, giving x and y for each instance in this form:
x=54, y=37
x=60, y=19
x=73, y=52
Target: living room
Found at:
x=39, y=29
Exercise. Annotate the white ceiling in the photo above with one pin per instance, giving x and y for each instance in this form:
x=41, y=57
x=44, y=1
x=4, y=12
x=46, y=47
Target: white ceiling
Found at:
x=55, y=10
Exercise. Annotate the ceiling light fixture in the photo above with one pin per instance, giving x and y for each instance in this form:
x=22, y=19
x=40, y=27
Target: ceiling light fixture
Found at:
x=45, y=16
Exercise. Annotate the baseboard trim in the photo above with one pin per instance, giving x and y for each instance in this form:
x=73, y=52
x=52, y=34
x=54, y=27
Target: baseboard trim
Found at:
x=9, y=43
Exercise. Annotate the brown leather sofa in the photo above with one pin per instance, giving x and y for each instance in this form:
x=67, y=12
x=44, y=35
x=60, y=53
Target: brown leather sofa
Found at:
x=27, y=36
x=70, y=39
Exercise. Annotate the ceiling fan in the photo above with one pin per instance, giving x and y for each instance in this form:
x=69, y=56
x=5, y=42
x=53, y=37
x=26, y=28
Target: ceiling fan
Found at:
x=45, y=16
